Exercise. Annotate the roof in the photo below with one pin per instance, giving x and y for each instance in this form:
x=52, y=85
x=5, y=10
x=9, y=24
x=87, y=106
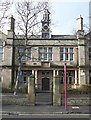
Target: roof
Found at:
x=63, y=36
x=3, y=36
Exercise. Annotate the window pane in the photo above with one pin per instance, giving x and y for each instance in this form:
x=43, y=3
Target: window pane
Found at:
x=61, y=53
x=49, y=56
x=45, y=56
x=90, y=53
x=28, y=52
x=70, y=80
x=40, y=50
x=61, y=49
x=1, y=53
x=66, y=53
x=0, y=56
x=61, y=56
x=1, y=49
x=0, y=75
x=71, y=57
x=40, y=56
x=21, y=50
x=71, y=54
x=45, y=50
x=49, y=53
x=22, y=53
x=40, y=53
x=61, y=80
x=89, y=56
x=89, y=80
x=66, y=56
x=50, y=50
x=66, y=50
x=90, y=49
x=71, y=50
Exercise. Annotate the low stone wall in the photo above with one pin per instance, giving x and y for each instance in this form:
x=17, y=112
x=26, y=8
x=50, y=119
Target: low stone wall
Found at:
x=79, y=101
x=15, y=100
x=23, y=100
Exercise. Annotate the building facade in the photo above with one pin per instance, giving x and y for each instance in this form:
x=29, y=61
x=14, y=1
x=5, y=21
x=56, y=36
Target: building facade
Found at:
x=45, y=56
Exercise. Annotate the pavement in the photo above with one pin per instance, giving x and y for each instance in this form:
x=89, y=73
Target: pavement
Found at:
x=45, y=109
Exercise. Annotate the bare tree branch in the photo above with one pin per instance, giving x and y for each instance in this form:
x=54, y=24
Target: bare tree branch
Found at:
x=28, y=14
x=28, y=21
x=4, y=7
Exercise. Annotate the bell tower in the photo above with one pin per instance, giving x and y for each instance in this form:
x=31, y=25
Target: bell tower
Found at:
x=46, y=24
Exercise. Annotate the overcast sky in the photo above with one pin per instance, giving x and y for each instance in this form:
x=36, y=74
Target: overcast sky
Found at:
x=64, y=14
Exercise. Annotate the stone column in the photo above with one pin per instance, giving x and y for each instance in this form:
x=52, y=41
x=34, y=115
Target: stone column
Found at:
x=36, y=80
x=33, y=72
x=82, y=77
x=31, y=90
x=76, y=77
x=56, y=90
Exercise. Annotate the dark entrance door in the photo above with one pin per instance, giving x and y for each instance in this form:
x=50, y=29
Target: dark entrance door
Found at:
x=44, y=96
x=45, y=84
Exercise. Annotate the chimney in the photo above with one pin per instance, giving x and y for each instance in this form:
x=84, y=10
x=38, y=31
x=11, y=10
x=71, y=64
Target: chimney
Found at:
x=12, y=23
x=80, y=24
x=11, y=27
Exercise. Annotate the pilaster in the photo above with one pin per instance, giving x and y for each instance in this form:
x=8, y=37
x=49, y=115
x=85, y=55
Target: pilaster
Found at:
x=56, y=90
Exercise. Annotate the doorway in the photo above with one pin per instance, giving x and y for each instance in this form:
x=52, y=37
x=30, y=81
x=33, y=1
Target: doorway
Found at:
x=45, y=84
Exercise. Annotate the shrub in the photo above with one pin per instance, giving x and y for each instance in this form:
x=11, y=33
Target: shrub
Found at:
x=23, y=88
x=7, y=89
x=75, y=91
x=85, y=89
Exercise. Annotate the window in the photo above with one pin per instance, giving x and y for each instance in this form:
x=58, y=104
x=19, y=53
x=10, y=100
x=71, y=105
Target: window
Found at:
x=1, y=53
x=61, y=80
x=49, y=53
x=70, y=80
x=71, y=54
x=24, y=77
x=40, y=53
x=90, y=80
x=45, y=53
x=22, y=54
x=25, y=54
x=0, y=75
x=66, y=54
x=70, y=77
x=89, y=53
x=61, y=53
x=61, y=76
x=89, y=76
x=28, y=53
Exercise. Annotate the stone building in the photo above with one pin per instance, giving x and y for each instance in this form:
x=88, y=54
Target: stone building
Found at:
x=45, y=56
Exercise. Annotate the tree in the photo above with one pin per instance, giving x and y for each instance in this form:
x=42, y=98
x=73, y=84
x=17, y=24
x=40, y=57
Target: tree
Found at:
x=28, y=22
x=4, y=7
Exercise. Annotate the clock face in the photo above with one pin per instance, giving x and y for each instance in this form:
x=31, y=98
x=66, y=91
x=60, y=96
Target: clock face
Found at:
x=45, y=27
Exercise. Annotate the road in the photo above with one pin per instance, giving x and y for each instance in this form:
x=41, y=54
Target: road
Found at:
x=45, y=111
